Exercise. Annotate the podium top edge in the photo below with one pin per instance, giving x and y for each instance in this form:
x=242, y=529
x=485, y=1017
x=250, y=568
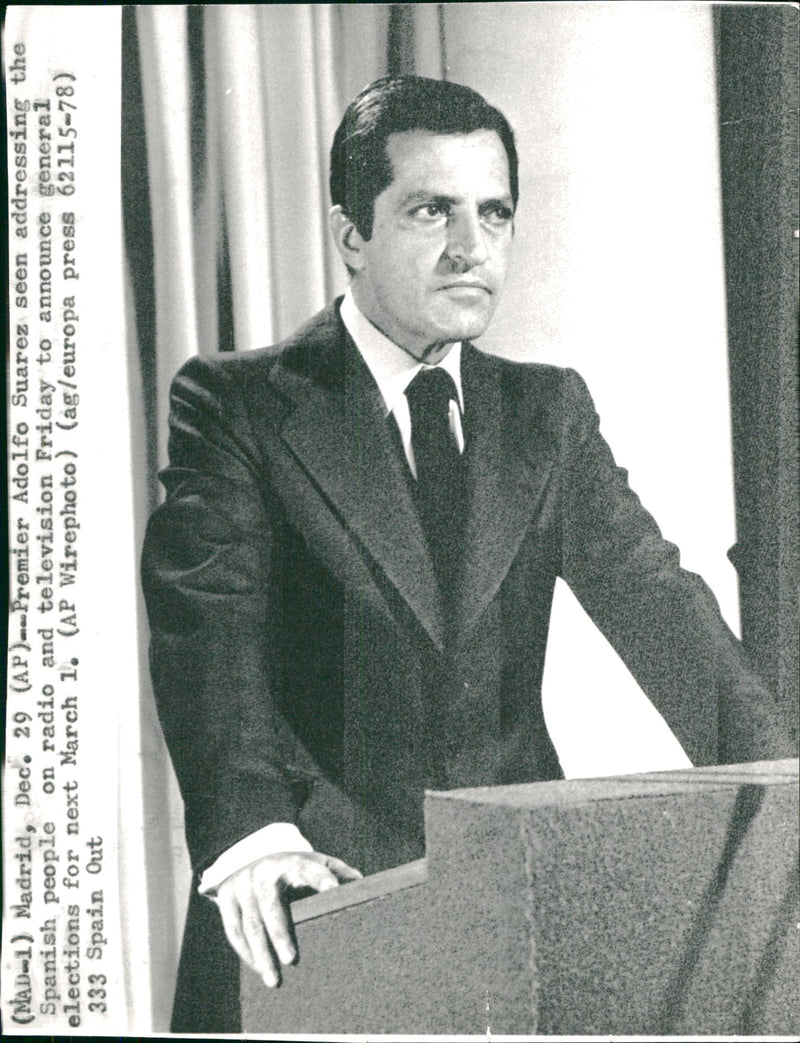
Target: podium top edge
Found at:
x=686, y=781
x=370, y=889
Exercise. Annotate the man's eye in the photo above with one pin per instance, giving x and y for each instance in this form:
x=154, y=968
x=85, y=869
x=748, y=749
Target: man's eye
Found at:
x=497, y=214
x=430, y=211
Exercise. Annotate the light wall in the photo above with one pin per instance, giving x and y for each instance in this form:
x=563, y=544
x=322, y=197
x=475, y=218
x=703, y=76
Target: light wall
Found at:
x=619, y=273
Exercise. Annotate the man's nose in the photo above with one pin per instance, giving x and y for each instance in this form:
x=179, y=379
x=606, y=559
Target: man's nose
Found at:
x=466, y=242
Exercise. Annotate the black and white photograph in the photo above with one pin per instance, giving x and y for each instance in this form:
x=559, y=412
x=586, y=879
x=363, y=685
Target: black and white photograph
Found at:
x=402, y=467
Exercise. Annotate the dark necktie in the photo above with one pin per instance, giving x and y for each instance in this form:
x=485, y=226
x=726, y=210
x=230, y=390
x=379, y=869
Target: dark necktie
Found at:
x=439, y=490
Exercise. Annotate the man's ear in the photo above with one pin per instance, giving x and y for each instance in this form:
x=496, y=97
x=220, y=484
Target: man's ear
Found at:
x=347, y=238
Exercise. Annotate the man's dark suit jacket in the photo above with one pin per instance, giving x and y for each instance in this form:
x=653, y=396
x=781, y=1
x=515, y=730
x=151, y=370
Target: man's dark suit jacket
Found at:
x=297, y=627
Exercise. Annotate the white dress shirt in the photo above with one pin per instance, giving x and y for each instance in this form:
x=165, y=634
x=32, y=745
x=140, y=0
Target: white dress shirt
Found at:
x=392, y=369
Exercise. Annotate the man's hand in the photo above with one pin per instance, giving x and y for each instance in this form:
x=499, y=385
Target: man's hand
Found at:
x=254, y=904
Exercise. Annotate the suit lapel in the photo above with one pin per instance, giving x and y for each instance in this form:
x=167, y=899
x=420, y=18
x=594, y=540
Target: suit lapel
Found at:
x=340, y=436
x=506, y=475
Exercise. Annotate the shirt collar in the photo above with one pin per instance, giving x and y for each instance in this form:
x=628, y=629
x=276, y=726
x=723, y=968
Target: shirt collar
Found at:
x=391, y=367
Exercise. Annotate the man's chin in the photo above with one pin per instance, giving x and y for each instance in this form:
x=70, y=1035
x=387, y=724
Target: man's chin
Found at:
x=466, y=323
x=466, y=330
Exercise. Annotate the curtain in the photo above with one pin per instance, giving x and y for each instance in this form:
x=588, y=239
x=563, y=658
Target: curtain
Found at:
x=228, y=115
x=758, y=83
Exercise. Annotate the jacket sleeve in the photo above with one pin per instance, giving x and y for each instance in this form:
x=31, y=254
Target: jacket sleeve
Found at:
x=207, y=575
x=663, y=621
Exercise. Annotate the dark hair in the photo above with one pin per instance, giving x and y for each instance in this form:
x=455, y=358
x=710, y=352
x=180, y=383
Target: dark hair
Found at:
x=360, y=168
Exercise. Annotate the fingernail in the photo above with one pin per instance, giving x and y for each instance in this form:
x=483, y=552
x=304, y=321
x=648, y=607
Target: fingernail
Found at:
x=287, y=956
x=270, y=979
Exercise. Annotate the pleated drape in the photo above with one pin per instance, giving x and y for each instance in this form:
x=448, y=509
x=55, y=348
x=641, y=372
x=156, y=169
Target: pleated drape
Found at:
x=167, y=103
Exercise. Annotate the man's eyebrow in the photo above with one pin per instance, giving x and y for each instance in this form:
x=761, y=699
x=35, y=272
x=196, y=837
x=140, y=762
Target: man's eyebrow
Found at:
x=504, y=200
x=423, y=196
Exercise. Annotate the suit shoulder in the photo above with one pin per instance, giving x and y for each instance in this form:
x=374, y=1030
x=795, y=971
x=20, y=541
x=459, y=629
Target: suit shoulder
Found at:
x=252, y=368
x=227, y=367
x=542, y=372
x=550, y=405
x=542, y=380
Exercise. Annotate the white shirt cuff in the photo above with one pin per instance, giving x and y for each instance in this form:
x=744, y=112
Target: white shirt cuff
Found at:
x=271, y=840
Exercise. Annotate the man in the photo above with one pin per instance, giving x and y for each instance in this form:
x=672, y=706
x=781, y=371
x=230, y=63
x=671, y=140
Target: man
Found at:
x=350, y=581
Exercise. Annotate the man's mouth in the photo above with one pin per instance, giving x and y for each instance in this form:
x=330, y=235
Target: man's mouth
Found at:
x=473, y=285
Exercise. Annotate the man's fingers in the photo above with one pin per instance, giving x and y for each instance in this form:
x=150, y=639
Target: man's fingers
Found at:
x=275, y=915
x=310, y=871
x=255, y=930
x=231, y=914
x=255, y=910
x=244, y=929
x=321, y=872
x=313, y=870
x=342, y=870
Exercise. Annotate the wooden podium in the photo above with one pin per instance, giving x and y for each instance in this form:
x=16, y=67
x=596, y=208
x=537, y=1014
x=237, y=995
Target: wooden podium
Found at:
x=653, y=904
